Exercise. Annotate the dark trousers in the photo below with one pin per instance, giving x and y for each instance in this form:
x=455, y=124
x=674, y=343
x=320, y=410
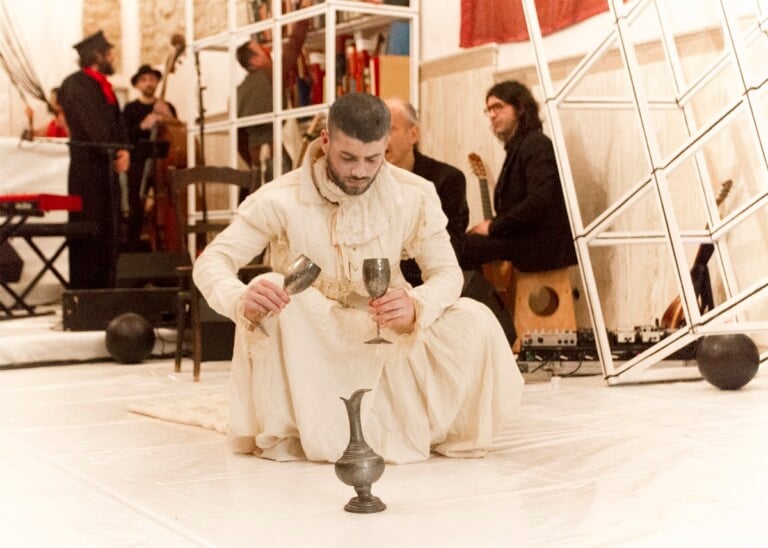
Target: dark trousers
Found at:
x=477, y=287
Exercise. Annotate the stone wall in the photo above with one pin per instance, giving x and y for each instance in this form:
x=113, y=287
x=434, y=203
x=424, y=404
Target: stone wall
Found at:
x=160, y=20
x=105, y=15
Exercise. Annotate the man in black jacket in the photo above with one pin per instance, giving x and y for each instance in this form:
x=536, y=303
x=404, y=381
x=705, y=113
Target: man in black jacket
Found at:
x=451, y=187
x=91, y=109
x=531, y=226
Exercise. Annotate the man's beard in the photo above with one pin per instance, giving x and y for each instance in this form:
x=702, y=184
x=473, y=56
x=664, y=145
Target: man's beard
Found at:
x=148, y=92
x=352, y=191
x=105, y=67
x=506, y=134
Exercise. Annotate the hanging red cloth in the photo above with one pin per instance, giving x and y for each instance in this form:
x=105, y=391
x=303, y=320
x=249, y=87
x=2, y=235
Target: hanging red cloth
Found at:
x=486, y=21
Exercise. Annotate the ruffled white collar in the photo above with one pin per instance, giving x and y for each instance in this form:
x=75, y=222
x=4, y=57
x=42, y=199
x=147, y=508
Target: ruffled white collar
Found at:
x=356, y=219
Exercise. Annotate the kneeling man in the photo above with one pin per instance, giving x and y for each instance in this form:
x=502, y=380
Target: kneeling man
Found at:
x=447, y=383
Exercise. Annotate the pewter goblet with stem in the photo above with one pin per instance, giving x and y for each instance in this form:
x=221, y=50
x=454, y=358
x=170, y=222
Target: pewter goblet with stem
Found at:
x=376, y=279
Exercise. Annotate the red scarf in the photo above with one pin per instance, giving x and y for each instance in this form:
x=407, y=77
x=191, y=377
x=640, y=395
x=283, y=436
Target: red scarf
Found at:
x=106, y=87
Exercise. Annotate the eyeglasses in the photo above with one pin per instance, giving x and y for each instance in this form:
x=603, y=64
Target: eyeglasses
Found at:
x=495, y=108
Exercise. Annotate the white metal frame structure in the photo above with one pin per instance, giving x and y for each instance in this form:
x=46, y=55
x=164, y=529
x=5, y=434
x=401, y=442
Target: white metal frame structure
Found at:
x=725, y=317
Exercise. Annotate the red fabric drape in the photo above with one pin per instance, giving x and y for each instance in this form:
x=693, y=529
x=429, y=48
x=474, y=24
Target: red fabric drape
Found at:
x=485, y=21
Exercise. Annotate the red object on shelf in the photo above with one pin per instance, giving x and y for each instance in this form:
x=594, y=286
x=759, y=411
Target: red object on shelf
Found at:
x=317, y=75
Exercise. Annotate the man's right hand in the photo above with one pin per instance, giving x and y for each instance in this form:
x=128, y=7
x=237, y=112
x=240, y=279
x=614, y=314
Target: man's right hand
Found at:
x=264, y=297
x=122, y=161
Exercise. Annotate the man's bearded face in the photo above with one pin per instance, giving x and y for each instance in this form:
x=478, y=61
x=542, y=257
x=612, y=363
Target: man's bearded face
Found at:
x=104, y=63
x=352, y=164
x=147, y=85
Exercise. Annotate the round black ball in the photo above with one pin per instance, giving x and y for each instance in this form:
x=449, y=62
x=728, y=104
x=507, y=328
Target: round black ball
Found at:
x=130, y=338
x=728, y=361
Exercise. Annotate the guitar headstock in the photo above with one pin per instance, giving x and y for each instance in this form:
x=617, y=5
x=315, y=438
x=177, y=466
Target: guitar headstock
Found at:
x=477, y=165
x=725, y=188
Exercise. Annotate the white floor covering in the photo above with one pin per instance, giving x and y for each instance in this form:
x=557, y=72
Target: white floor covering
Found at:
x=675, y=464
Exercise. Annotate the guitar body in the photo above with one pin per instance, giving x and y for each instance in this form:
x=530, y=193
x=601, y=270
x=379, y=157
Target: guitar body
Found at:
x=674, y=317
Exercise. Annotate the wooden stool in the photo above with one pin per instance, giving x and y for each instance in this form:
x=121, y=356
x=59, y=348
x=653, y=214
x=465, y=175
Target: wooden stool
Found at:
x=543, y=302
x=537, y=301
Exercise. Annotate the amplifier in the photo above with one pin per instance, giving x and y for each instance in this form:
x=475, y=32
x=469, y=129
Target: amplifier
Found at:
x=550, y=338
x=93, y=309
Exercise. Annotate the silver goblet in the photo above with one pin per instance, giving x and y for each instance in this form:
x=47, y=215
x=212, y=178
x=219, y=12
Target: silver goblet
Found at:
x=301, y=274
x=376, y=279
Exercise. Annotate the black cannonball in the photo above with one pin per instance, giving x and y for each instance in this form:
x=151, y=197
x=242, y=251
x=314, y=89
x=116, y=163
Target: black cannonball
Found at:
x=130, y=338
x=728, y=361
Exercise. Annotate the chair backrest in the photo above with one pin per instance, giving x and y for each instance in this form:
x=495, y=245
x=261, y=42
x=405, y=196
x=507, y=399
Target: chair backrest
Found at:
x=208, y=182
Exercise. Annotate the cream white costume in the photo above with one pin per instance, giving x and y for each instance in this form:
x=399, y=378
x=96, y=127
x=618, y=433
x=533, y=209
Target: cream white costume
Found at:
x=447, y=386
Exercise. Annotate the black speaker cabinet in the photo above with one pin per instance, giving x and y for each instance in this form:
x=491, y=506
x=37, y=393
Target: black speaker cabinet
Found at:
x=93, y=309
x=156, y=268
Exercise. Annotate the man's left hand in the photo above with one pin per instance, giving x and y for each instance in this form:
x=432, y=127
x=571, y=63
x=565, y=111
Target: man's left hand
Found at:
x=395, y=310
x=162, y=109
x=483, y=228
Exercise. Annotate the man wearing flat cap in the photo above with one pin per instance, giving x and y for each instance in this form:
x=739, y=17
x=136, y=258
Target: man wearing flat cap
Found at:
x=140, y=117
x=91, y=108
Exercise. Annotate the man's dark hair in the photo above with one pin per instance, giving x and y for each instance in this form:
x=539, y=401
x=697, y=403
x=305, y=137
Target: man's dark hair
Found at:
x=91, y=57
x=361, y=116
x=516, y=94
x=244, y=54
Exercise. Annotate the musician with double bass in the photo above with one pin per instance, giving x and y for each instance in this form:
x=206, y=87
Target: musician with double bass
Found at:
x=140, y=118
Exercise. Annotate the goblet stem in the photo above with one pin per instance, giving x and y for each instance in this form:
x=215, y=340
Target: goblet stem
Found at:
x=379, y=339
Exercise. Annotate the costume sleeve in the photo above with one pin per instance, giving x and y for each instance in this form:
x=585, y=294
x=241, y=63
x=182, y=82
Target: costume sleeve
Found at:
x=542, y=182
x=215, y=270
x=439, y=268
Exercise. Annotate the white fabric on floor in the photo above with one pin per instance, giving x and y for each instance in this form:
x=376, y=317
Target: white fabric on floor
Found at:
x=674, y=464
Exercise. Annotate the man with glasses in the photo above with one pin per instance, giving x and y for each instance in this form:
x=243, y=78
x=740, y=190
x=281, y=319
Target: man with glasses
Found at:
x=530, y=227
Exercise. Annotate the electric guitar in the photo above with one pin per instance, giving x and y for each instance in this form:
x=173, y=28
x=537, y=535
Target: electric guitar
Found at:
x=673, y=317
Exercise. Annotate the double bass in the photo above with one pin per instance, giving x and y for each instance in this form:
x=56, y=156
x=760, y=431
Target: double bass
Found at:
x=159, y=212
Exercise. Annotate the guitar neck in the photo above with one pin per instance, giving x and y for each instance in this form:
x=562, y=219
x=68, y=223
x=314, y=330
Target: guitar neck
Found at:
x=485, y=196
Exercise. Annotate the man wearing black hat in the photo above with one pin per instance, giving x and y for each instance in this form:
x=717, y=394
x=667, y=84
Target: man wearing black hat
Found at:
x=91, y=109
x=139, y=118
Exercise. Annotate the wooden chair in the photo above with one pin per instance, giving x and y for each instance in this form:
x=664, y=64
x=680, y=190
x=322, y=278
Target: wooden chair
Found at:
x=204, y=179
